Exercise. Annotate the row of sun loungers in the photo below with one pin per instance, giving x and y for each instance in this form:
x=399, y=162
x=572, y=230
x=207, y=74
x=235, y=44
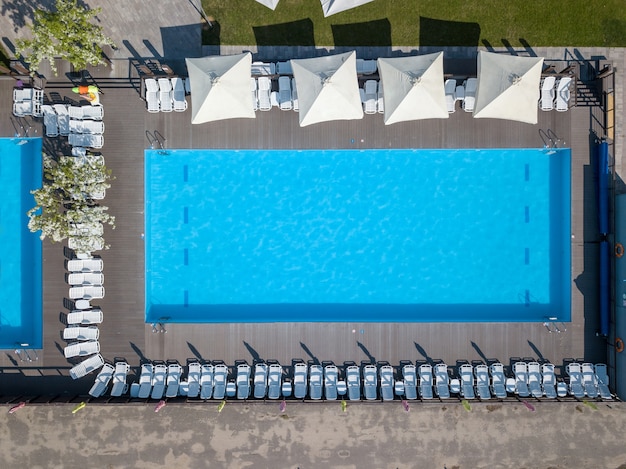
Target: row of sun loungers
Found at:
x=165, y=94
x=363, y=67
x=551, y=94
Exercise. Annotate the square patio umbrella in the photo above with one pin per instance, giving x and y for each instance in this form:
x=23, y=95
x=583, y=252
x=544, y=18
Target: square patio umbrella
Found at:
x=330, y=7
x=220, y=87
x=269, y=3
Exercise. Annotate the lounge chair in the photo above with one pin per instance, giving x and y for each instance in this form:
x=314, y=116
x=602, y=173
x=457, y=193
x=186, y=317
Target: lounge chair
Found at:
x=482, y=381
x=86, y=127
x=206, y=382
x=263, y=68
x=81, y=333
x=193, y=379
x=76, y=112
x=174, y=372
x=386, y=382
x=145, y=381
x=101, y=383
x=466, y=373
x=498, y=380
x=366, y=67
x=152, y=95
x=450, y=89
x=589, y=380
x=260, y=380
x=81, y=349
x=546, y=103
x=220, y=373
x=23, y=94
x=274, y=99
x=576, y=387
x=284, y=68
x=95, y=113
x=243, y=381
x=84, y=265
x=50, y=121
x=119, y=379
x=284, y=94
x=274, y=381
x=299, y=380
x=83, y=243
x=265, y=88
x=520, y=370
x=253, y=89
x=85, y=278
x=316, y=373
x=563, y=94
x=82, y=304
x=86, y=292
x=86, y=140
x=86, y=229
x=353, y=379
x=534, y=379
x=442, y=381
x=371, y=96
x=330, y=382
x=470, y=94
x=548, y=380
x=603, y=381
x=178, y=94
x=166, y=95
x=370, y=381
x=426, y=381
x=23, y=109
x=158, y=381
x=63, y=118
x=409, y=376
x=87, y=366
x=380, y=101
x=93, y=316
x=294, y=95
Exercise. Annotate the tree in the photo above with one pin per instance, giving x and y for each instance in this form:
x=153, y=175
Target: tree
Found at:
x=67, y=33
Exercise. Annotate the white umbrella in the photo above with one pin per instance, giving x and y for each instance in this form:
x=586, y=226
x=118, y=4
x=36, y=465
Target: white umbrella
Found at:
x=327, y=88
x=508, y=87
x=330, y=7
x=414, y=87
x=220, y=87
x=269, y=3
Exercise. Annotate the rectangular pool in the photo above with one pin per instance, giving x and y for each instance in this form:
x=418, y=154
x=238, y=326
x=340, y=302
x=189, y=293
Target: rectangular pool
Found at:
x=20, y=250
x=351, y=235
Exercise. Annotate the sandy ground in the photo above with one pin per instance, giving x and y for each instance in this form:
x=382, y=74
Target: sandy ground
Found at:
x=316, y=435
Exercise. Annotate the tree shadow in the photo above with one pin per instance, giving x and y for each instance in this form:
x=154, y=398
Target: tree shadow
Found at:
x=441, y=33
x=367, y=353
x=309, y=353
x=371, y=33
x=195, y=351
x=255, y=355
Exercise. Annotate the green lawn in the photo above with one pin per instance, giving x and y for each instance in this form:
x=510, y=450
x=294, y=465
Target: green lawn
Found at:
x=422, y=22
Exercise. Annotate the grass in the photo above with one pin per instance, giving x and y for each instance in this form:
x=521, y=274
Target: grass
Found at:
x=422, y=22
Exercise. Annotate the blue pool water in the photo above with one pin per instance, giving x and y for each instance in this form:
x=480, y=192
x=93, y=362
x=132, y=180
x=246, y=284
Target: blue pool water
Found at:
x=349, y=235
x=20, y=250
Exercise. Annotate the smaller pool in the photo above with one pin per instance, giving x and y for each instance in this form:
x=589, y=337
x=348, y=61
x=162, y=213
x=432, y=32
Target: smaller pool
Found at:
x=20, y=250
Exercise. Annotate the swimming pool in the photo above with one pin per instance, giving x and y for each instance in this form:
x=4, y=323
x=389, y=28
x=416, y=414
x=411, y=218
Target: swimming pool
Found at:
x=350, y=235
x=20, y=250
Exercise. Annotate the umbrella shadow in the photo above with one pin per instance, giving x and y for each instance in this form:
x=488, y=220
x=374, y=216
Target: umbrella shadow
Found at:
x=537, y=351
x=421, y=350
x=137, y=350
x=480, y=352
x=309, y=353
x=255, y=355
x=367, y=353
x=195, y=351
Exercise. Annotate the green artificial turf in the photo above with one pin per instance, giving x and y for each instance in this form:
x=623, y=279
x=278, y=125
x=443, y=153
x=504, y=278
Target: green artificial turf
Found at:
x=495, y=23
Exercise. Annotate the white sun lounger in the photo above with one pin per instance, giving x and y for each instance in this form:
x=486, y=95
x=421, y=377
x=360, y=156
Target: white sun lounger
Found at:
x=380, y=102
x=220, y=373
x=119, y=379
x=92, y=243
x=470, y=94
x=86, y=140
x=563, y=94
x=450, y=89
x=174, y=371
x=50, y=121
x=466, y=373
x=603, y=381
x=370, y=382
x=23, y=108
x=353, y=382
x=86, y=292
x=93, y=316
x=206, y=382
x=87, y=366
x=178, y=95
x=534, y=379
x=274, y=381
x=93, y=112
x=63, y=118
x=409, y=376
x=330, y=382
x=386, y=382
x=86, y=127
x=253, y=89
x=316, y=373
x=85, y=278
x=442, y=381
x=85, y=265
x=294, y=95
x=284, y=94
x=145, y=381
x=546, y=103
x=101, y=383
x=482, y=381
x=426, y=381
x=366, y=67
x=370, y=96
x=81, y=333
x=284, y=68
x=81, y=349
x=548, y=380
x=166, y=99
x=498, y=380
x=263, y=68
x=264, y=90
x=520, y=370
x=299, y=380
x=152, y=95
x=243, y=381
x=576, y=388
x=86, y=229
x=158, y=381
x=260, y=380
x=589, y=380
x=22, y=94
x=193, y=379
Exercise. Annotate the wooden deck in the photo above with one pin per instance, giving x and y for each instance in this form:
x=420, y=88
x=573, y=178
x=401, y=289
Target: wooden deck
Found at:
x=124, y=333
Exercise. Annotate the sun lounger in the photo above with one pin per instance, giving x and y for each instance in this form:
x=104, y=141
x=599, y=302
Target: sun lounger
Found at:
x=84, y=265
x=263, y=68
x=193, y=379
x=93, y=316
x=23, y=109
x=206, y=382
x=274, y=99
x=299, y=380
x=145, y=381
x=243, y=381
x=450, y=89
x=442, y=381
x=86, y=278
x=22, y=94
x=152, y=95
x=101, y=383
x=63, y=118
x=158, y=381
x=498, y=380
x=603, y=381
x=534, y=379
x=466, y=373
x=284, y=68
x=294, y=95
x=366, y=67
x=81, y=333
x=370, y=381
x=260, y=380
x=386, y=382
x=253, y=89
x=370, y=96
x=520, y=370
x=174, y=372
x=548, y=380
x=86, y=140
x=470, y=94
x=85, y=244
x=86, y=229
x=265, y=88
x=166, y=95
x=316, y=373
x=330, y=382
x=93, y=112
x=86, y=292
x=409, y=376
x=546, y=103
x=274, y=380
x=87, y=366
x=353, y=382
x=380, y=101
x=86, y=127
x=81, y=349
x=575, y=374
x=284, y=94
x=426, y=381
x=50, y=121
x=589, y=380
x=119, y=379
x=563, y=94
x=178, y=95
x=220, y=373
